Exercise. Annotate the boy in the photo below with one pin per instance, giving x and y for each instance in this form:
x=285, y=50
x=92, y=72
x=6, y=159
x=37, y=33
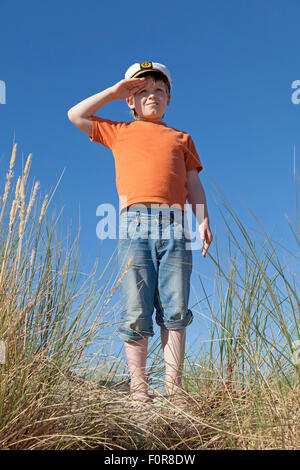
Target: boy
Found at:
x=155, y=166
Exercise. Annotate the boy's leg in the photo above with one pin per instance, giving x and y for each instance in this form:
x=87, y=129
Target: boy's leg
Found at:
x=173, y=344
x=137, y=291
x=172, y=297
x=136, y=353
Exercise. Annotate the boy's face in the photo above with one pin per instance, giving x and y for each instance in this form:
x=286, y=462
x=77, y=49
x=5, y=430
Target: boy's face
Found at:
x=151, y=101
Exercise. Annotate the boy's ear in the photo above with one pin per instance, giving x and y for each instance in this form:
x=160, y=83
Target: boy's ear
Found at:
x=130, y=102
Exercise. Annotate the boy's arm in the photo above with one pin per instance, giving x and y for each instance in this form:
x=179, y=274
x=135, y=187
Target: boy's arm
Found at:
x=197, y=200
x=81, y=114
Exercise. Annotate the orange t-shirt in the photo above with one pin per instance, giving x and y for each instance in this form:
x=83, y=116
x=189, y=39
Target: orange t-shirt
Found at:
x=151, y=160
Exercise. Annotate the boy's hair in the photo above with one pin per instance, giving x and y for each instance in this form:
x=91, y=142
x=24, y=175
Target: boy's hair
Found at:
x=155, y=77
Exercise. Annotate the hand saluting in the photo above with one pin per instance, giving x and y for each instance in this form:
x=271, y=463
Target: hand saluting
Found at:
x=128, y=87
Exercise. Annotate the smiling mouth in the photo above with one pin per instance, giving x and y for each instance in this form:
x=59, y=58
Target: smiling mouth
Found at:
x=149, y=104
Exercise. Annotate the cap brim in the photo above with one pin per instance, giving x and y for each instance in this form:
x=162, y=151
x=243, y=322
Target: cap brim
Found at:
x=141, y=73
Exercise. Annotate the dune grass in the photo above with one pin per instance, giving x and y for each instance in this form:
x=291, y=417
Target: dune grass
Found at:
x=242, y=391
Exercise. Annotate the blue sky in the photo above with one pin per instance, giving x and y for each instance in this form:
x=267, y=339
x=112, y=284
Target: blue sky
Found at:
x=232, y=65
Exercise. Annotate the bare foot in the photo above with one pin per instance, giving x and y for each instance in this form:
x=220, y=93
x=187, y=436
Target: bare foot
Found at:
x=140, y=400
x=139, y=391
x=177, y=399
x=141, y=396
x=175, y=395
x=173, y=389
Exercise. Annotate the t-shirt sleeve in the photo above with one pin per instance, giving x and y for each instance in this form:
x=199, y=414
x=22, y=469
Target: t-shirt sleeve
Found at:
x=191, y=156
x=105, y=131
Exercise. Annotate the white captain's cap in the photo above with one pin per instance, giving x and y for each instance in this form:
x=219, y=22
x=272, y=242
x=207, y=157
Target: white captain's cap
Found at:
x=137, y=70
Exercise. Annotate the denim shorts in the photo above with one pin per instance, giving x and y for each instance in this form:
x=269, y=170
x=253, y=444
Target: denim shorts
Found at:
x=154, y=240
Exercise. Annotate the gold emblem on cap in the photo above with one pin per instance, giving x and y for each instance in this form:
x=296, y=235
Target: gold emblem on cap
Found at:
x=146, y=65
